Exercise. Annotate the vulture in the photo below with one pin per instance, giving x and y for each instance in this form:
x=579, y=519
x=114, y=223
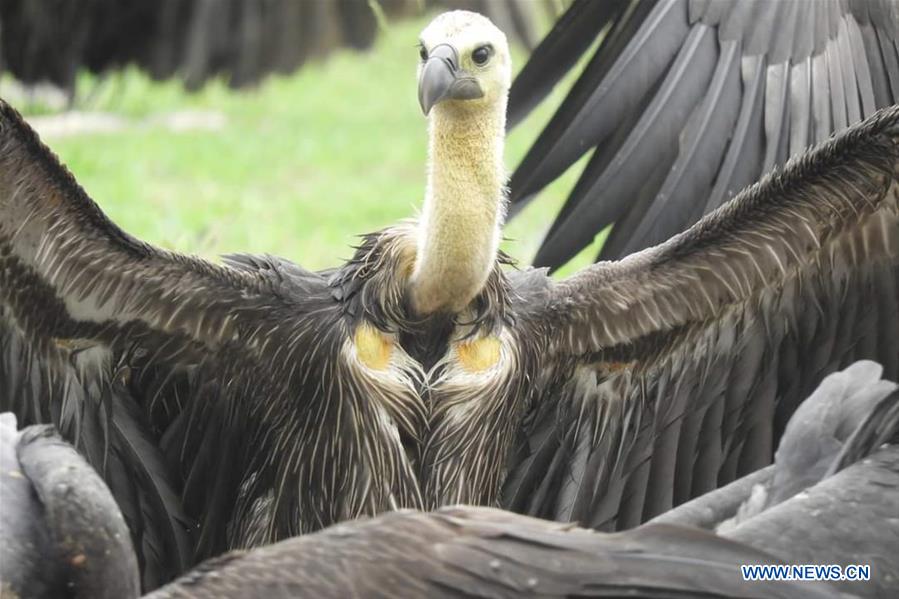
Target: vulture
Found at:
x=484, y=552
x=233, y=405
x=684, y=103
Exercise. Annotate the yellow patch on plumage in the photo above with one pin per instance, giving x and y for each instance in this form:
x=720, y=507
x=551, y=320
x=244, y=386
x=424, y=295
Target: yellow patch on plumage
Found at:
x=373, y=347
x=72, y=344
x=478, y=355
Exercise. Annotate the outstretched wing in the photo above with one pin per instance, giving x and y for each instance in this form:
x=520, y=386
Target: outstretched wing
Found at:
x=674, y=371
x=163, y=370
x=686, y=103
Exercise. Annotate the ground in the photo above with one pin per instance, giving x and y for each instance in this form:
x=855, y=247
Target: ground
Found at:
x=297, y=167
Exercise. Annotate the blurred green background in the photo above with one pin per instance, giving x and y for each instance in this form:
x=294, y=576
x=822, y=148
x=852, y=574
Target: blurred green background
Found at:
x=297, y=167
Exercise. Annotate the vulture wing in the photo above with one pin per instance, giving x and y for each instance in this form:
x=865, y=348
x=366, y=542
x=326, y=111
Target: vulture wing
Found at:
x=196, y=390
x=689, y=101
x=678, y=367
x=479, y=552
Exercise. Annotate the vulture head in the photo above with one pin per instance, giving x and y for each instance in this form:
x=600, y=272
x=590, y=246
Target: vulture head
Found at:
x=465, y=63
x=463, y=84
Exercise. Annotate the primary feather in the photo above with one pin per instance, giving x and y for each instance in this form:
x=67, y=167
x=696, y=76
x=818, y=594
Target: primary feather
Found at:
x=684, y=103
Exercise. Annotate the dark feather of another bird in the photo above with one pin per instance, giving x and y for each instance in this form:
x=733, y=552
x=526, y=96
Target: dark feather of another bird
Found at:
x=809, y=69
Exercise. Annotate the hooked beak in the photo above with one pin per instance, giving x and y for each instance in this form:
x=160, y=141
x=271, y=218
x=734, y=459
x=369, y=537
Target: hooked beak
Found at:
x=441, y=79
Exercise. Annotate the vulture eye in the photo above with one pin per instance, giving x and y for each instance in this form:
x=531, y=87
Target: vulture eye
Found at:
x=423, y=52
x=481, y=55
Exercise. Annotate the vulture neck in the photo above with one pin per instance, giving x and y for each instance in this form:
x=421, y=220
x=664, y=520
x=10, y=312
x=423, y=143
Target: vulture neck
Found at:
x=462, y=217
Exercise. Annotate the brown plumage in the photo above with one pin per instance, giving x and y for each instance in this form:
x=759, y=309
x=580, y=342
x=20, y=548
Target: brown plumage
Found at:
x=480, y=552
x=230, y=406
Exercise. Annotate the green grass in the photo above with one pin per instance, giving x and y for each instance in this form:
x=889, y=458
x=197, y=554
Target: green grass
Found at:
x=303, y=165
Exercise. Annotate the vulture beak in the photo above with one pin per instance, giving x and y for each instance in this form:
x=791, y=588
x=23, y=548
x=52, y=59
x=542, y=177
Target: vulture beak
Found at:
x=442, y=79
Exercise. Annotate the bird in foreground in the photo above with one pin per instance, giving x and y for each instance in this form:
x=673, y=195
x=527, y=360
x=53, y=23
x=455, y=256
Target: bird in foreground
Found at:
x=686, y=102
x=230, y=406
x=483, y=552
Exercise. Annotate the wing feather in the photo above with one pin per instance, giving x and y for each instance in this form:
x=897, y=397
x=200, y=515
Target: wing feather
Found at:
x=624, y=68
x=178, y=378
x=718, y=110
x=479, y=552
x=87, y=311
x=569, y=38
x=842, y=189
x=810, y=68
x=688, y=76
x=701, y=348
